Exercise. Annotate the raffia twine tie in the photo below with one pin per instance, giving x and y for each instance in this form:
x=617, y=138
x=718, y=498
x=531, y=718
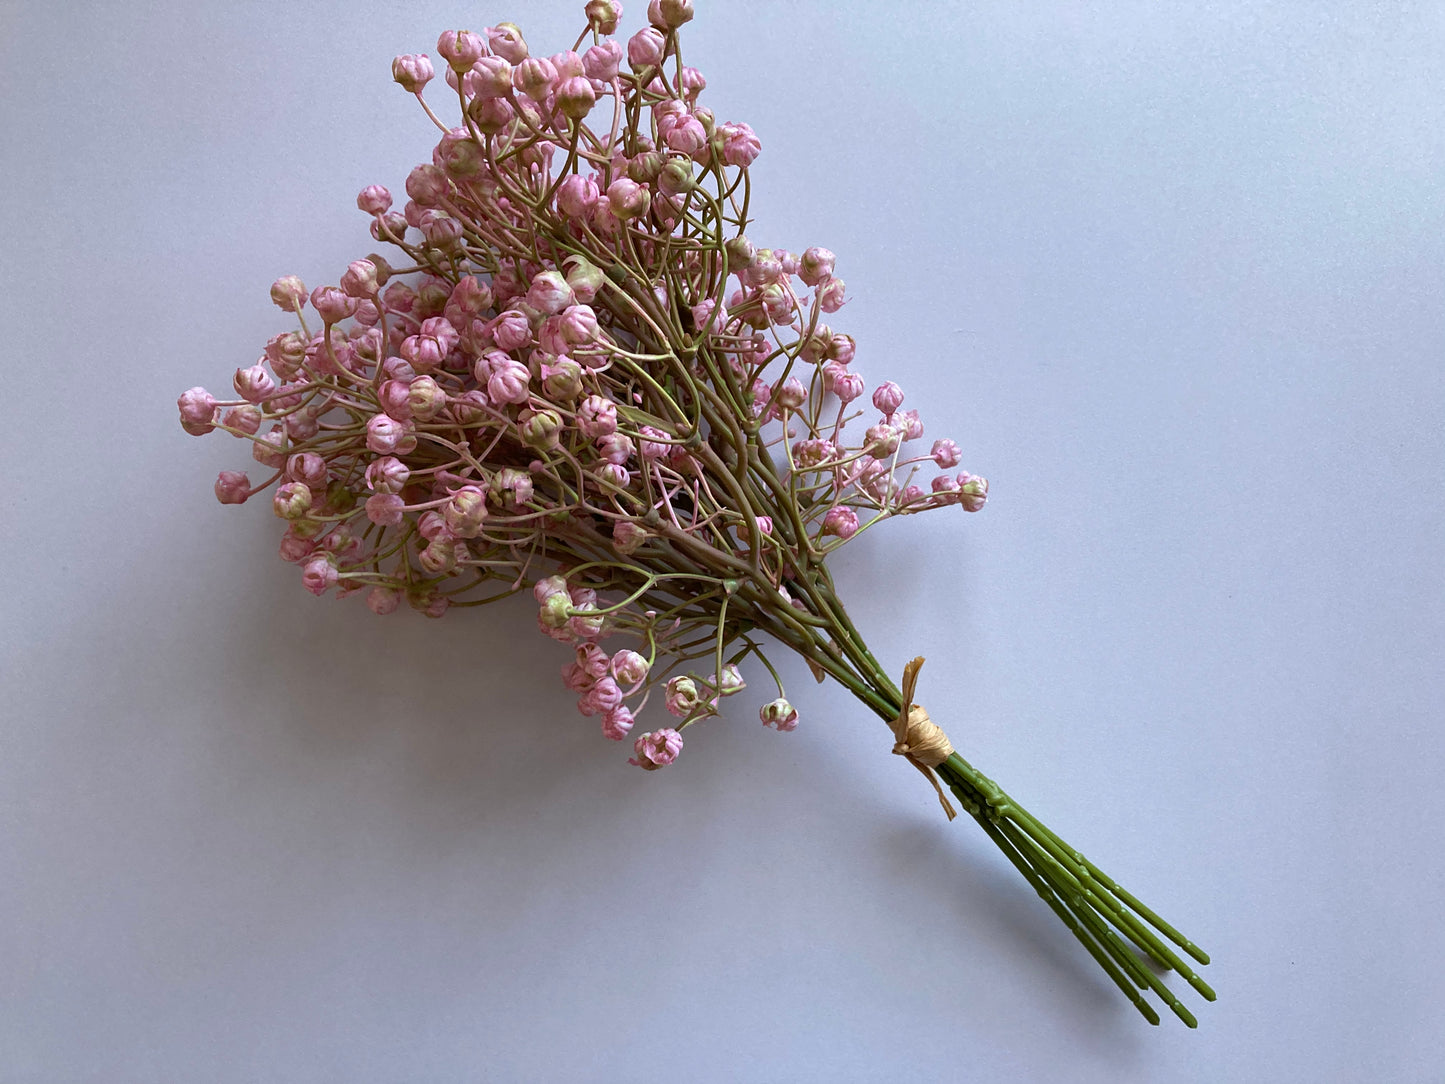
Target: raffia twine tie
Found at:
x=919, y=738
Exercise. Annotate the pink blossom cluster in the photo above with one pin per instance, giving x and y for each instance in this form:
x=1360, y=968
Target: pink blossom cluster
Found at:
x=576, y=372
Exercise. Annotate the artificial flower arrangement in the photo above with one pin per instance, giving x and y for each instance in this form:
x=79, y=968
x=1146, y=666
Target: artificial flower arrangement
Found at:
x=576, y=375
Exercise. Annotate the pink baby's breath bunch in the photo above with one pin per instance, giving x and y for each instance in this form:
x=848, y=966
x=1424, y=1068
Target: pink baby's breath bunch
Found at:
x=574, y=373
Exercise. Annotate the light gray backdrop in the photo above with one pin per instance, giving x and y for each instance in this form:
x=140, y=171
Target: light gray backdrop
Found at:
x=1171, y=273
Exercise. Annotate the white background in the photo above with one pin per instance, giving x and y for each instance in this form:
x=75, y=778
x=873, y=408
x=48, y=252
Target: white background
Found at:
x=1171, y=273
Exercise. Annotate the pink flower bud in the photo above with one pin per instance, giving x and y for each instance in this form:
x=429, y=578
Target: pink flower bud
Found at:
x=332, y=304
x=568, y=65
x=545, y=588
x=549, y=293
x=301, y=426
x=575, y=97
x=972, y=491
x=466, y=511
x=669, y=14
x=656, y=748
x=615, y=448
x=602, y=62
x=882, y=439
x=682, y=696
x=602, y=15
x=387, y=474
x=540, y=429
x=374, y=199
x=810, y=454
x=646, y=48
x=254, y=384
x=508, y=382
x=383, y=600
x=630, y=669
x=627, y=198
x=513, y=487
x=359, y=279
x=460, y=49
x=399, y=298
x=592, y=658
x=887, y=397
x=830, y=295
x=395, y=399
x=603, y=696
x=442, y=232
x=946, y=453
x=677, y=176
x=780, y=715
x=286, y=352
x=469, y=298
x=534, y=77
x=270, y=448
x=398, y=369
x=616, y=722
x=389, y=227
x=469, y=408
x=384, y=434
x=413, y=71
x=198, y=409
x=628, y=537
x=576, y=679
x=439, y=556
x=506, y=41
x=740, y=145
x=702, y=314
x=232, y=487
x=847, y=386
x=246, y=419
x=816, y=266
x=579, y=325
x=318, y=575
x=294, y=548
x=427, y=185
x=765, y=268
x=692, y=84
x=309, y=469
x=385, y=509
x=562, y=380
x=428, y=349
x=687, y=136
x=777, y=302
x=289, y=293
x=511, y=330
x=841, y=521
x=585, y=279
x=792, y=394
x=842, y=348
x=425, y=398
x=732, y=681
x=597, y=416
x=292, y=500
x=909, y=423
x=577, y=195
x=655, y=449
x=614, y=474
x=585, y=622
x=490, y=78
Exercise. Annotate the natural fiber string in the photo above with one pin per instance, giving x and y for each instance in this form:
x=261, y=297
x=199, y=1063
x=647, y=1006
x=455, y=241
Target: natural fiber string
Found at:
x=919, y=738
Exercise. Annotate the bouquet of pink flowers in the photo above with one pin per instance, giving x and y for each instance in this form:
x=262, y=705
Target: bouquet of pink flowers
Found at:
x=576, y=375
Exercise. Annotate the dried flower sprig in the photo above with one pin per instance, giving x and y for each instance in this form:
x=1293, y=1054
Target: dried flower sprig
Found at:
x=580, y=376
